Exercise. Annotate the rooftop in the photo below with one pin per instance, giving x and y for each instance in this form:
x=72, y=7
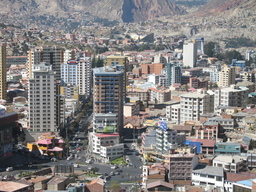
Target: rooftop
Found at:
x=209, y=170
x=11, y=186
x=102, y=135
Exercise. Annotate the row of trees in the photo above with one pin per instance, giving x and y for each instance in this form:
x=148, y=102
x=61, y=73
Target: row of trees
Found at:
x=212, y=49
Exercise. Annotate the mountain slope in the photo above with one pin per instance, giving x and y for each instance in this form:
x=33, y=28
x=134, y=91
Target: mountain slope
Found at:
x=120, y=10
x=225, y=7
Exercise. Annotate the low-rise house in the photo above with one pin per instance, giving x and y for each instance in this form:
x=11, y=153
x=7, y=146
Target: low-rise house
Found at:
x=11, y=186
x=232, y=178
x=208, y=175
x=228, y=148
x=40, y=183
x=187, y=130
x=207, y=146
x=96, y=185
x=160, y=186
x=59, y=183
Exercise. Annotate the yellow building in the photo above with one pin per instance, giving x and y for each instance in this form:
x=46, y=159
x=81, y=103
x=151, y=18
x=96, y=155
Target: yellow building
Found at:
x=48, y=144
x=114, y=60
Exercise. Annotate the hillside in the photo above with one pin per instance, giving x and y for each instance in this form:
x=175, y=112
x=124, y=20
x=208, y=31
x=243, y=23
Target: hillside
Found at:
x=225, y=7
x=120, y=10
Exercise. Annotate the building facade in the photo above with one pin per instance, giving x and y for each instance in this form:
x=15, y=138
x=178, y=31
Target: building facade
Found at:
x=227, y=76
x=108, y=94
x=42, y=100
x=3, y=86
x=189, y=54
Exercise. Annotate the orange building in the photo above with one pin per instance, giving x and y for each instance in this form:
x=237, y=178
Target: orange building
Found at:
x=155, y=68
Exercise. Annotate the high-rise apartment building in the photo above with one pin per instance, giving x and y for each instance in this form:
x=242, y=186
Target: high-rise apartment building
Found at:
x=193, y=105
x=42, y=99
x=200, y=45
x=165, y=140
x=78, y=73
x=189, y=54
x=227, y=76
x=233, y=96
x=108, y=94
x=3, y=85
x=173, y=73
x=85, y=76
x=50, y=55
x=69, y=72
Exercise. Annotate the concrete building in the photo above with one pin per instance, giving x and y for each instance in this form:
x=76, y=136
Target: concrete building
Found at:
x=106, y=146
x=3, y=85
x=78, y=73
x=69, y=72
x=238, y=63
x=50, y=55
x=108, y=95
x=173, y=73
x=228, y=148
x=131, y=109
x=165, y=140
x=232, y=164
x=42, y=99
x=207, y=176
x=148, y=138
x=159, y=94
x=248, y=76
x=193, y=105
x=232, y=96
x=181, y=166
x=214, y=76
x=173, y=113
x=117, y=60
x=85, y=76
x=227, y=76
x=189, y=54
x=58, y=183
x=105, y=122
x=198, y=83
x=142, y=94
x=200, y=45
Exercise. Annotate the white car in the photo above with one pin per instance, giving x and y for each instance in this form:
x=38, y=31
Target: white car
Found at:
x=114, y=167
x=88, y=161
x=76, y=165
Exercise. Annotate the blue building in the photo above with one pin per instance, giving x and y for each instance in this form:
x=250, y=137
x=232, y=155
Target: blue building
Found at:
x=228, y=148
x=236, y=63
x=194, y=144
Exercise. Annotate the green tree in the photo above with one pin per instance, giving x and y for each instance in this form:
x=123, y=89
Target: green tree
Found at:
x=114, y=186
x=93, y=62
x=229, y=55
x=209, y=49
x=144, y=47
x=94, y=170
x=99, y=62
